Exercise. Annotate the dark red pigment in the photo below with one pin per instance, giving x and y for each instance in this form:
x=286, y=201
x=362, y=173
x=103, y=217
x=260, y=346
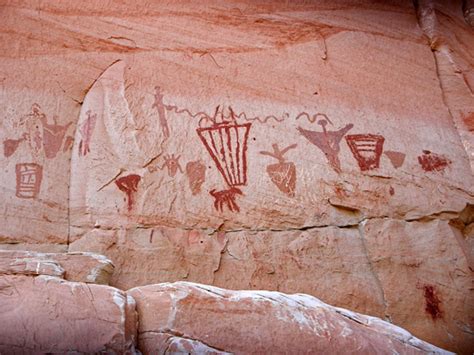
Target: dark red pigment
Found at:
x=128, y=184
x=226, y=198
x=366, y=149
x=433, y=162
x=433, y=303
x=226, y=143
x=220, y=141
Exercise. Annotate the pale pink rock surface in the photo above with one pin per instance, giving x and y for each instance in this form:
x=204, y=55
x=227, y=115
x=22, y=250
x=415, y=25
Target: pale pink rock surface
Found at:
x=136, y=81
x=79, y=267
x=205, y=319
x=46, y=314
x=422, y=289
x=296, y=261
x=452, y=43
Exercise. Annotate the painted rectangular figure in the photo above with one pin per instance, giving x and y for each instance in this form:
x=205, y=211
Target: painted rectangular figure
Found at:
x=28, y=180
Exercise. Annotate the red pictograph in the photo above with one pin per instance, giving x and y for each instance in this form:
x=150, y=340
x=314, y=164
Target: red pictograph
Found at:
x=11, y=145
x=28, y=180
x=171, y=164
x=226, y=143
x=430, y=161
x=86, y=129
x=227, y=198
x=40, y=135
x=327, y=141
x=129, y=185
x=160, y=107
x=366, y=149
x=396, y=158
x=283, y=173
x=53, y=136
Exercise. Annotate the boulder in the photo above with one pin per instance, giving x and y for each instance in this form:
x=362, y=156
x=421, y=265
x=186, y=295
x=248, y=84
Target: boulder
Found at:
x=80, y=267
x=46, y=314
x=196, y=318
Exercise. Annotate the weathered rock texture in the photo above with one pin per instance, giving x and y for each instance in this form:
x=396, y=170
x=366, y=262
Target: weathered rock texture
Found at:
x=453, y=51
x=46, y=314
x=320, y=147
x=80, y=267
x=193, y=318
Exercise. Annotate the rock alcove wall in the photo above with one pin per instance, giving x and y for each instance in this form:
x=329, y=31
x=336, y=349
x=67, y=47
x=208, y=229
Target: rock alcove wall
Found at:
x=307, y=147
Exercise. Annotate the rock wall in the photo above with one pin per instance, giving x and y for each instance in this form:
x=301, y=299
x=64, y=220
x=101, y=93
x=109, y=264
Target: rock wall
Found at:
x=318, y=147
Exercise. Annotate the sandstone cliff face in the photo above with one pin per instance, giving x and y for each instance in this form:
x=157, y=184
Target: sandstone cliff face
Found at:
x=320, y=148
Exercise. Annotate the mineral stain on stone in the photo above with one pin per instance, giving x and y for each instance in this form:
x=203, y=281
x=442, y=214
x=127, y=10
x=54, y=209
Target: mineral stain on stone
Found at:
x=196, y=172
x=433, y=303
x=469, y=120
x=391, y=191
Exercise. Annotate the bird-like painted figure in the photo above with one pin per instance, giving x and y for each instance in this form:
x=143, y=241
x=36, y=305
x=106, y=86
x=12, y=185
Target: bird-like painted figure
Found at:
x=327, y=141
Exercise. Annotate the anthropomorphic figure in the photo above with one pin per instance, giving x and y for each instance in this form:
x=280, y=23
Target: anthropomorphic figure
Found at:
x=327, y=141
x=86, y=129
x=53, y=136
x=160, y=107
x=171, y=163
